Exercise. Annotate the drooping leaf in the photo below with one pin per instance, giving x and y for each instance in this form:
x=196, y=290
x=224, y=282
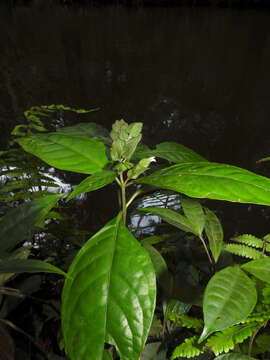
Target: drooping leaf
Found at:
x=93, y=182
x=170, y=151
x=234, y=356
x=243, y=250
x=91, y=130
x=189, y=348
x=213, y=181
x=66, y=152
x=18, y=222
x=170, y=216
x=229, y=297
x=227, y=339
x=29, y=266
x=194, y=213
x=214, y=232
x=259, y=268
x=109, y=296
x=21, y=253
x=158, y=261
x=249, y=240
x=125, y=138
x=153, y=351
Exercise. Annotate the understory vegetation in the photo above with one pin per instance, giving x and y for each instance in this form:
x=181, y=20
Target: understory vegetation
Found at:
x=158, y=281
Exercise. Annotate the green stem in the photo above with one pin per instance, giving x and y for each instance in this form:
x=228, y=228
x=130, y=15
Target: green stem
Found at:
x=123, y=197
x=133, y=197
x=206, y=250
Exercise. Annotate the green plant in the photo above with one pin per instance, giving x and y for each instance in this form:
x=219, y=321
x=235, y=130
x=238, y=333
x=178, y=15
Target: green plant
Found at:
x=109, y=296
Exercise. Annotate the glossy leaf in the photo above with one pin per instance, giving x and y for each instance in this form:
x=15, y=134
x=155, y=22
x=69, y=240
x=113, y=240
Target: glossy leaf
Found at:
x=170, y=216
x=28, y=266
x=214, y=232
x=93, y=182
x=259, y=268
x=213, y=181
x=194, y=212
x=18, y=222
x=87, y=130
x=66, y=152
x=230, y=296
x=109, y=296
x=234, y=356
x=170, y=151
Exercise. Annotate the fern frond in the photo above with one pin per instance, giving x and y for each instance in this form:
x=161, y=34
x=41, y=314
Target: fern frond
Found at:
x=189, y=348
x=226, y=339
x=249, y=240
x=186, y=321
x=243, y=250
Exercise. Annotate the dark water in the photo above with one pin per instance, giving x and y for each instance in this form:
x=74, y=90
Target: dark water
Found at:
x=197, y=76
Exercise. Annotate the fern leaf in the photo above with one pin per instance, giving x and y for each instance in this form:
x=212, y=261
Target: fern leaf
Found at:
x=243, y=250
x=226, y=339
x=189, y=348
x=186, y=321
x=249, y=240
x=258, y=317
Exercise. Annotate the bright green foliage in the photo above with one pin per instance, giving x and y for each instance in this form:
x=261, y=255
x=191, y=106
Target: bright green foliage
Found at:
x=172, y=217
x=139, y=168
x=227, y=339
x=28, y=265
x=109, y=296
x=125, y=140
x=249, y=240
x=89, y=130
x=234, y=356
x=212, y=181
x=189, y=348
x=259, y=268
x=18, y=222
x=186, y=321
x=170, y=151
x=222, y=311
x=66, y=152
x=93, y=182
x=243, y=250
x=194, y=213
x=214, y=232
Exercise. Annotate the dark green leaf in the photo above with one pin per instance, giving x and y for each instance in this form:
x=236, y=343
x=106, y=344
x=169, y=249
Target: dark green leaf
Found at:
x=214, y=232
x=153, y=351
x=213, y=181
x=93, y=182
x=230, y=296
x=87, y=130
x=65, y=152
x=234, y=356
x=109, y=296
x=29, y=266
x=194, y=213
x=259, y=268
x=158, y=261
x=18, y=222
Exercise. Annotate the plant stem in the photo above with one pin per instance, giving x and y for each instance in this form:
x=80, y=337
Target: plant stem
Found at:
x=206, y=250
x=123, y=197
x=137, y=193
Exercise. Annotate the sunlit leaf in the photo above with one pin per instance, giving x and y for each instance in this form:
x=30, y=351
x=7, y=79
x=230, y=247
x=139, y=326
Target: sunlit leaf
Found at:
x=93, y=182
x=18, y=222
x=213, y=181
x=229, y=297
x=259, y=268
x=66, y=152
x=109, y=296
x=214, y=232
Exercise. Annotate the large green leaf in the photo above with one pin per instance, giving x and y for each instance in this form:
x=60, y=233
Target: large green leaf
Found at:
x=234, y=356
x=213, y=181
x=21, y=253
x=170, y=216
x=230, y=296
x=259, y=268
x=109, y=296
x=170, y=151
x=87, y=130
x=194, y=213
x=93, y=182
x=66, y=152
x=214, y=232
x=29, y=266
x=18, y=222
